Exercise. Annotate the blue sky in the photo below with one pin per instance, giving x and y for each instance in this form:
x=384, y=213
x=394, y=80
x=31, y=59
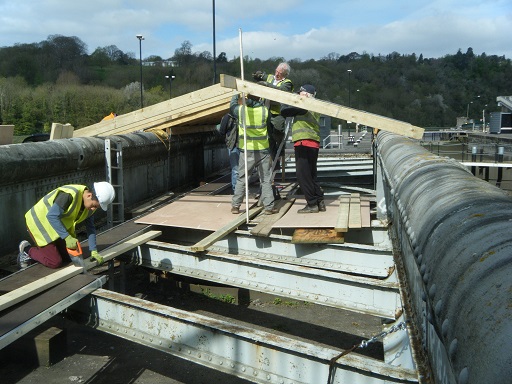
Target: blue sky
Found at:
x=293, y=29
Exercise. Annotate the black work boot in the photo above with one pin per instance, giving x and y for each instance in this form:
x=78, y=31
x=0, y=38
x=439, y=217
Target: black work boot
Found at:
x=321, y=206
x=309, y=209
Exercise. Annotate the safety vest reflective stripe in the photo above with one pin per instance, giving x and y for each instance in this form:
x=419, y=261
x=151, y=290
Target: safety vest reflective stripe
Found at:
x=256, y=128
x=305, y=127
x=37, y=223
x=275, y=107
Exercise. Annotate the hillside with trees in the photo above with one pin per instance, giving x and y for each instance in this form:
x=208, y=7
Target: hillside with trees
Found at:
x=56, y=80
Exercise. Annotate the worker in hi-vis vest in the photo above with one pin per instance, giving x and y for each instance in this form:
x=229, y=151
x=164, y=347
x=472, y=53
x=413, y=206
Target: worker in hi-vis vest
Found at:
x=306, y=145
x=279, y=80
x=52, y=220
x=255, y=118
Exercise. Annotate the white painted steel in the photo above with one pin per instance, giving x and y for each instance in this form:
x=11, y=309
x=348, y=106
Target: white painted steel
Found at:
x=254, y=355
x=360, y=294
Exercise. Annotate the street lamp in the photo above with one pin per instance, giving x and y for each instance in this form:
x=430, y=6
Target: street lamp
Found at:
x=140, y=37
x=171, y=78
x=214, y=53
x=349, y=72
x=348, y=122
x=467, y=112
x=471, y=102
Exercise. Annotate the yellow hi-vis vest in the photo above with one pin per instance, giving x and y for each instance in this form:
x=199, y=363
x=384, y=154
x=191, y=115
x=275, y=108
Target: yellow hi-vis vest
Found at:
x=40, y=227
x=275, y=107
x=305, y=127
x=255, y=126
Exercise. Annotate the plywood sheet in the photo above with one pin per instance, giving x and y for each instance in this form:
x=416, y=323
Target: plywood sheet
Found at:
x=196, y=212
x=326, y=219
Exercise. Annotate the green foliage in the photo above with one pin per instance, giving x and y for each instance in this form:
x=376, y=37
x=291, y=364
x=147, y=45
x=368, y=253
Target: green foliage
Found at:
x=225, y=298
x=57, y=81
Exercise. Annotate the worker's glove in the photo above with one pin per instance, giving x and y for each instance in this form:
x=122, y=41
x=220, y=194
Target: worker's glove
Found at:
x=96, y=256
x=71, y=242
x=258, y=75
x=264, y=83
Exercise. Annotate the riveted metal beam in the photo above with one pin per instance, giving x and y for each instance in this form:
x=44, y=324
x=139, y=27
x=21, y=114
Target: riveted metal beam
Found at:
x=251, y=354
x=356, y=293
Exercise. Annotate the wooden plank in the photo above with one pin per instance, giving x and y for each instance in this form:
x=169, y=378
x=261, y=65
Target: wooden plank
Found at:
x=60, y=275
x=323, y=107
x=61, y=131
x=365, y=214
x=6, y=134
x=194, y=211
x=343, y=213
x=354, y=216
x=219, y=234
x=157, y=114
x=264, y=228
x=317, y=236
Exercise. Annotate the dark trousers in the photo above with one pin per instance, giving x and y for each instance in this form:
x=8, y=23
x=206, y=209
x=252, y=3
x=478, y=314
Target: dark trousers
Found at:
x=305, y=165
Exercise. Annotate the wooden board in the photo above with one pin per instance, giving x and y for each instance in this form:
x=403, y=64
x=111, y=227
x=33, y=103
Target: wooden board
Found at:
x=292, y=219
x=354, y=216
x=194, y=108
x=195, y=212
x=317, y=235
x=323, y=107
x=365, y=214
x=343, y=213
x=264, y=227
x=226, y=229
x=18, y=295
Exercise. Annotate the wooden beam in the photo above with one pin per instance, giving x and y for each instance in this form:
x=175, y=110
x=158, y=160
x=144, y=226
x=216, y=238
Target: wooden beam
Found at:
x=18, y=295
x=354, y=216
x=157, y=114
x=264, y=228
x=323, y=107
x=365, y=213
x=220, y=233
x=317, y=236
x=343, y=212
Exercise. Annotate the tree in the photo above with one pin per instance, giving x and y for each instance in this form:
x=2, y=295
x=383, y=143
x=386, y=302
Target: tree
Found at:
x=183, y=55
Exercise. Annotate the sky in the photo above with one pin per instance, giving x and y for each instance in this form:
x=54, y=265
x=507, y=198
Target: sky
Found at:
x=291, y=29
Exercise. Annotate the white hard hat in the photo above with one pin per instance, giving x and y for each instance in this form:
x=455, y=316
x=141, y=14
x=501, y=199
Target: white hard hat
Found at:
x=104, y=193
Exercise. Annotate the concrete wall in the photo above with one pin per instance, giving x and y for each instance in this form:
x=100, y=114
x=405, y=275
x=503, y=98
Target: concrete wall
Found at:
x=150, y=168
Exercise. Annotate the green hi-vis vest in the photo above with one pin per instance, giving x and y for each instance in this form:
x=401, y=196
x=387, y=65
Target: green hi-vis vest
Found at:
x=38, y=224
x=275, y=107
x=305, y=127
x=255, y=126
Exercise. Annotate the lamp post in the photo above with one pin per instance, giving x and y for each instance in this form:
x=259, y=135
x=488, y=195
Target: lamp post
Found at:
x=348, y=122
x=471, y=102
x=467, y=112
x=214, y=53
x=171, y=78
x=140, y=37
x=349, y=73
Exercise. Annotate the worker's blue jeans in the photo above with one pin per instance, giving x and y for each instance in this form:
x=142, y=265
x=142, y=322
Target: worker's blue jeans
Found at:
x=234, y=158
x=261, y=161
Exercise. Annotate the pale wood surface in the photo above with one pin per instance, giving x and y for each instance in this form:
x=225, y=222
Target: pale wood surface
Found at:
x=292, y=219
x=354, y=216
x=196, y=212
x=343, y=212
x=266, y=222
x=226, y=229
x=202, y=107
x=317, y=236
x=323, y=107
x=6, y=134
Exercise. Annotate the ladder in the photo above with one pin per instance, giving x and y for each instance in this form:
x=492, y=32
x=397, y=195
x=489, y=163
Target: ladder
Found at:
x=114, y=173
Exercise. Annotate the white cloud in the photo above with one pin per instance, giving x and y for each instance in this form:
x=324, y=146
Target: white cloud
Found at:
x=288, y=28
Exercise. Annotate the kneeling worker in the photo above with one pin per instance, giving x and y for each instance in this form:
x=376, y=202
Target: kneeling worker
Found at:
x=51, y=223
